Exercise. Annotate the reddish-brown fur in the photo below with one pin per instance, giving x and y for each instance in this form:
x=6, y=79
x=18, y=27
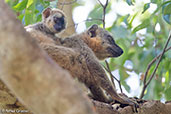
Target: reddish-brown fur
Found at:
x=75, y=54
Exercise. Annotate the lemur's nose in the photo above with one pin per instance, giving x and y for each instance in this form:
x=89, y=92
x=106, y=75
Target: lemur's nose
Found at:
x=59, y=27
x=59, y=23
x=121, y=52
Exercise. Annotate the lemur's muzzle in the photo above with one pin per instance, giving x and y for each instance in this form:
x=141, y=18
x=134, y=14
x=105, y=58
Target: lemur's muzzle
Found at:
x=115, y=51
x=59, y=27
x=59, y=23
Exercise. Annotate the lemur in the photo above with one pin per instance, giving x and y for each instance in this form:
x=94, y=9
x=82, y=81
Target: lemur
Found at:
x=78, y=54
x=103, y=47
x=75, y=54
x=53, y=22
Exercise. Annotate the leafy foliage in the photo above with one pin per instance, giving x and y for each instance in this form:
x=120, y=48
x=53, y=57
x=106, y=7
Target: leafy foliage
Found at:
x=146, y=6
x=130, y=2
x=141, y=47
x=140, y=41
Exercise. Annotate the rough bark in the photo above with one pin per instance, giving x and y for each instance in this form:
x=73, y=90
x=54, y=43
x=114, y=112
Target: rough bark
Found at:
x=9, y=103
x=149, y=107
x=40, y=84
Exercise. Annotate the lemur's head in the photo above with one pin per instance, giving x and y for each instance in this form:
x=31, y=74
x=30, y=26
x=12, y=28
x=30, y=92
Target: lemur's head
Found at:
x=54, y=19
x=102, y=43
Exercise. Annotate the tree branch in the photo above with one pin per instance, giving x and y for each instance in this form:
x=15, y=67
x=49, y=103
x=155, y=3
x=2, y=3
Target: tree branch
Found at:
x=94, y=19
x=152, y=75
x=104, y=11
x=112, y=76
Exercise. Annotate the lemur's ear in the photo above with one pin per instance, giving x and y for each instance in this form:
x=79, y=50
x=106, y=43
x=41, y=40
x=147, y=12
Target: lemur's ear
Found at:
x=92, y=30
x=46, y=12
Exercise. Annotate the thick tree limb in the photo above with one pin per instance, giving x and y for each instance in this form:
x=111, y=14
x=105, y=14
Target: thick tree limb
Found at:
x=32, y=76
x=104, y=108
x=63, y=4
x=149, y=107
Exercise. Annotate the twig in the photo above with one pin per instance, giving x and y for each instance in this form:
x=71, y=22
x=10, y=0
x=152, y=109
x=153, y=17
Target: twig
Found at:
x=103, y=20
x=112, y=76
x=152, y=75
x=100, y=3
x=63, y=4
x=152, y=62
x=104, y=11
x=94, y=19
x=67, y=3
x=76, y=24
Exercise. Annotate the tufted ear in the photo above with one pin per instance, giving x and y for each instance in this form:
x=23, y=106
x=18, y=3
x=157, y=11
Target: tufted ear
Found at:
x=46, y=12
x=92, y=30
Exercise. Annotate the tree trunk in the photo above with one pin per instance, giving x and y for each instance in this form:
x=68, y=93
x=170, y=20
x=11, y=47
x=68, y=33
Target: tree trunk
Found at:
x=40, y=84
x=67, y=8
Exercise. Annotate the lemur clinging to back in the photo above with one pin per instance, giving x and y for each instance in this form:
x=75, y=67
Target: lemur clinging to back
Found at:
x=77, y=55
x=53, y=22
x=102, y=46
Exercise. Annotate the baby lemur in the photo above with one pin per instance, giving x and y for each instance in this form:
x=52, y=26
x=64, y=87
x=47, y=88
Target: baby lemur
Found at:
x=78, y=53
x=53, y=21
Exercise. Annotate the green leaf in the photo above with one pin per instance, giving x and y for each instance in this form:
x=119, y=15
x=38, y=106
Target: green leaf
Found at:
x=164, y=3
x=144, y=24
x=21, y=6
x=97, y=13
x=28, y=17
x=168, y=93
x=155, y=1
x=167, y=9
x=12, y=3
x=119, y=32
x=167, y=18
x=167, y=78
x=130, y=2
x=45, y=3
x=39, y=18
x=20, y=17
x=146, y=6
x=131, y=20
x=29, y=3
x=126, y=19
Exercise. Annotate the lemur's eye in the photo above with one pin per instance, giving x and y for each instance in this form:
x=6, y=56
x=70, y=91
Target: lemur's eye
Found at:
x=58, y=20
x=55, y=19
x=108, y=36
x=110, y=39
x=103, y=42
